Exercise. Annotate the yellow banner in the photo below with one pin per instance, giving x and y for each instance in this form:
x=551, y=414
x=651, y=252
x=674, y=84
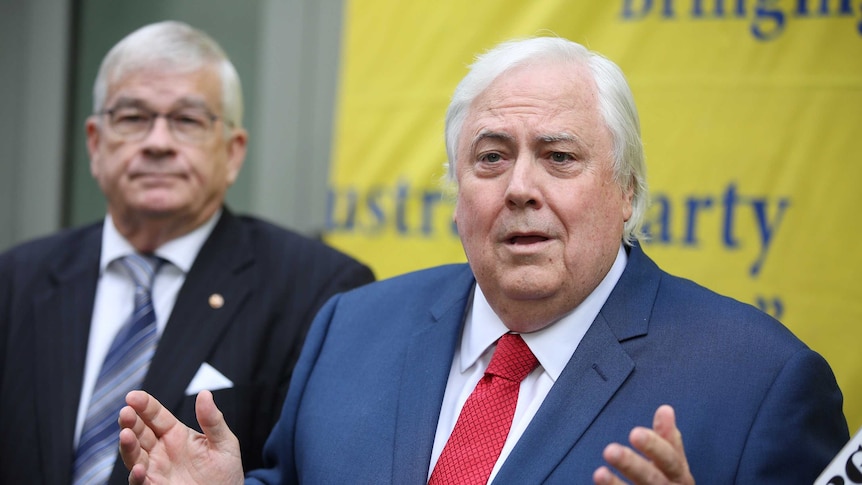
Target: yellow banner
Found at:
x=751, y=114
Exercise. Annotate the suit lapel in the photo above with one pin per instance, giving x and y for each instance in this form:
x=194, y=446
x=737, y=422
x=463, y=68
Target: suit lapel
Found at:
x=593, y=375
x=596, y=371
x=221, y=267
x=423, y=380
x=61, y=321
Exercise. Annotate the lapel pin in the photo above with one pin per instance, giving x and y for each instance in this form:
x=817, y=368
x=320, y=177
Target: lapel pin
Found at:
x=216, y=301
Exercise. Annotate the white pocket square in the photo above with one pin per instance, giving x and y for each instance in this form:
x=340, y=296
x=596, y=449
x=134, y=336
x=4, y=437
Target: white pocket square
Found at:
x=208, y=378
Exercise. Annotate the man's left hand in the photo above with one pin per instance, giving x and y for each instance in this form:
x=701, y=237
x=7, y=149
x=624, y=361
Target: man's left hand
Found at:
x=661, y=460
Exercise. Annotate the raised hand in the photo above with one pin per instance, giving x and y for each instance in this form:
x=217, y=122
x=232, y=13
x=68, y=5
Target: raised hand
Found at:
x=662, y=461
x=157, y=448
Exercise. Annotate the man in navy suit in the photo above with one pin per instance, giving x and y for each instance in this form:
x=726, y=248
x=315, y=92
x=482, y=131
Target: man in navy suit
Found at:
x=233, y=298
x=544, y=145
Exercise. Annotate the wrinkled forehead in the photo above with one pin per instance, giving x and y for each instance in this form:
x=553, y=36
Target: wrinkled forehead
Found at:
x=167, y=81
x=155, y=64
x=568, y=81
x=549, y=97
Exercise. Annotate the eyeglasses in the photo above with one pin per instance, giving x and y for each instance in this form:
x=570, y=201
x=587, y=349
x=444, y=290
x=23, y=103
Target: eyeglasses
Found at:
x=189, y=124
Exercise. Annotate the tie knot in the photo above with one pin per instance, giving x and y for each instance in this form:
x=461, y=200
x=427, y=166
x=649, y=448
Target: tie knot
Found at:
x=512, y=360
x=142, y=269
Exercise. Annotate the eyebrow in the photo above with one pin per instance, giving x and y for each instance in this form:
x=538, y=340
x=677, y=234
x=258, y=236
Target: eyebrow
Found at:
x=558, y=137
x=184, y=102
x=544, y=138
x=493, y=135
x=498, y=135
x=126, y=102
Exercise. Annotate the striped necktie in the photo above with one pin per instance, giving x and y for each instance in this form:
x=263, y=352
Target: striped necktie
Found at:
x=123, y=370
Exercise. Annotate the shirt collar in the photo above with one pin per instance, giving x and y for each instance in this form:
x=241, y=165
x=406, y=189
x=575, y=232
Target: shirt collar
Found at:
x=554, y=345
x=181, y=252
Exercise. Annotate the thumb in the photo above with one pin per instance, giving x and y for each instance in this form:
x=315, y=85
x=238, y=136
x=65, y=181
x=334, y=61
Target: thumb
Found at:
x=212, y=421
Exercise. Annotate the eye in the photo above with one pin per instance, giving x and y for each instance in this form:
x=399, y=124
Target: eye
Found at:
x=130, y=117
x=491, y=157
x=560, y=157
x=190, y=119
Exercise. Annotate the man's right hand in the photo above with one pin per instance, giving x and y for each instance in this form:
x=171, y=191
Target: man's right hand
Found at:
x=157, y=448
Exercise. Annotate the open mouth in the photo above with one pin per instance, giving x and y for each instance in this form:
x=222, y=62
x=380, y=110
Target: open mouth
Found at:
x=524, y=240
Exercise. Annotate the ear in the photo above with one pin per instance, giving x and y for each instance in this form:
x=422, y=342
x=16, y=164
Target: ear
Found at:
x=236, y=150
x=628, y=194
x=94, y=138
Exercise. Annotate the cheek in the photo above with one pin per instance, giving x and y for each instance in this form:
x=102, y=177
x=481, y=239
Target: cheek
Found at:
x=110, y=172
x=469, y=222
x=210, y=167
x=462, y=217
x=584, y=213
x=114, y=160
x=469, y=209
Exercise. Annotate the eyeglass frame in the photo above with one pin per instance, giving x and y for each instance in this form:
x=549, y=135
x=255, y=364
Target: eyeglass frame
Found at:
x=169, y=117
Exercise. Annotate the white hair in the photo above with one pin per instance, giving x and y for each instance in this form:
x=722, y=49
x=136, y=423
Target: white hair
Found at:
x=176, y=46
x=616, y=106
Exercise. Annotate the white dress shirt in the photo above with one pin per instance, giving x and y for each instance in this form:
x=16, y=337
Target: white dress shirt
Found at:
x=553, y=346
x=115, y=295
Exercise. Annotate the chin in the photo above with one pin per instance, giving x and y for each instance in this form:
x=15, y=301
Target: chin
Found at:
x=161, y=208
x=531, y=286
x=529, y=294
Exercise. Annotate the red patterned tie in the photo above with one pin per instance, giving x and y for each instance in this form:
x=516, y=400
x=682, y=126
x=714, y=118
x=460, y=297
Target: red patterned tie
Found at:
x=484, y=422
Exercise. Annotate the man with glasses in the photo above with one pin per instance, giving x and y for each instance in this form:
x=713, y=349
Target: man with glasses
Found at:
x=171, y=292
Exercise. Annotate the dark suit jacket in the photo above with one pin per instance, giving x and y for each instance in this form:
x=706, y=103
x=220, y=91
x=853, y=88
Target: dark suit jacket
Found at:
x=754, y=404
x=273, y=282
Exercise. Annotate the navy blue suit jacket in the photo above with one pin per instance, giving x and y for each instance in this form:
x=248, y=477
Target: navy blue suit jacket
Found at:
x=754, y=404
x=273, y=282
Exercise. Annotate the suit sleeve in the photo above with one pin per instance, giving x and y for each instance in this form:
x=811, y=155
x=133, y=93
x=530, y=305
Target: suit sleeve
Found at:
x=279, y=452
x=5, y=297
x=345, y=275
x=799, y=428
x=351, y=274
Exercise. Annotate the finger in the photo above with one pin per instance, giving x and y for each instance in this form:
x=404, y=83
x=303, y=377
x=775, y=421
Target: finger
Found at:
x=155, y=416
x=603, y=476
x=134, y=436
x=663, y=444
x=212, y=420
x=138, y=475
x=130, y=449
x=129, y=419
x=664, y=423
x=632, y=465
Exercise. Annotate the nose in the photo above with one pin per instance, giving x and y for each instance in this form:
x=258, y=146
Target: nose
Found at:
x=160, y=140
x=524, y=188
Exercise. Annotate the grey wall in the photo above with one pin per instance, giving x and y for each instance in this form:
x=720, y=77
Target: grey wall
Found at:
x=33, y=92
x=297, y=79
x=286, y=52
